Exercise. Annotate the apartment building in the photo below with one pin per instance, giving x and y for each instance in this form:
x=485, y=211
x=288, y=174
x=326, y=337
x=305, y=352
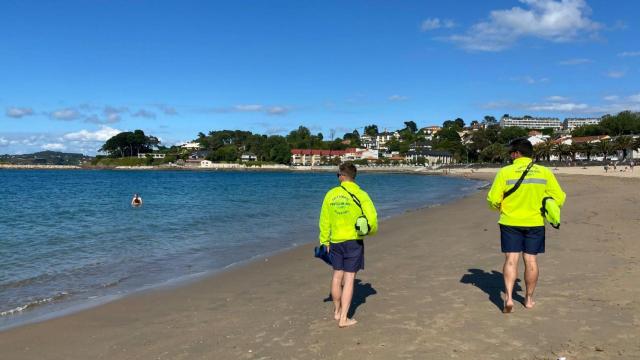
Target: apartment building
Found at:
x=572, y=123
x=531, y=122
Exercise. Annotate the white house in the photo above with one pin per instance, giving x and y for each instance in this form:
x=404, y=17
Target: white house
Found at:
x=248, y=157
x=153, y=155
x=368, y=141
x=431, y=156
x=531, y=122
x=191, y=146
x=386, y=136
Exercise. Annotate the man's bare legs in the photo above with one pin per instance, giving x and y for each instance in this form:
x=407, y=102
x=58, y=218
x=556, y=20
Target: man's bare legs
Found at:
x=336, y=292
x=530, y=278
x=342, y=294
x=510, y=272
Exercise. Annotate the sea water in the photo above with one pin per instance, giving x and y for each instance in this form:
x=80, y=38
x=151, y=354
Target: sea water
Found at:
x=70, y=238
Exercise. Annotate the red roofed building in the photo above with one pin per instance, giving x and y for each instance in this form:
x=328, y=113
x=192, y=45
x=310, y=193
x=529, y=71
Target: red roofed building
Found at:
x=590, y=139
x=310, y=157
x=313, y=157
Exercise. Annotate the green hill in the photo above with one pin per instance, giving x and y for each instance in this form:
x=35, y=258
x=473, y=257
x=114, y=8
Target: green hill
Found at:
x=45, y=158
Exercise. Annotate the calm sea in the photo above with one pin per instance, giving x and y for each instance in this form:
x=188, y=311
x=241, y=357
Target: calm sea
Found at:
x=70, y=239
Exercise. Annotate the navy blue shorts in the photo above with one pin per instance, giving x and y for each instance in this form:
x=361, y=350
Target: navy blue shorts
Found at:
x=529, y=240
x=347, y=256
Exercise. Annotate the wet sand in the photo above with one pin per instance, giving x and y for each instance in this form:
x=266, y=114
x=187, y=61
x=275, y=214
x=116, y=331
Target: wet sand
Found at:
x=431, y=290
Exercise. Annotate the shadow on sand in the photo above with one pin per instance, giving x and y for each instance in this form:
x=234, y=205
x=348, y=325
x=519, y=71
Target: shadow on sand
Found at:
x=491, y=283
x=361, y=292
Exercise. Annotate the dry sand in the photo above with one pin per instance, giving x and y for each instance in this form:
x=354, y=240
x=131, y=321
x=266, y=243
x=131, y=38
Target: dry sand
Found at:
x=431, y=290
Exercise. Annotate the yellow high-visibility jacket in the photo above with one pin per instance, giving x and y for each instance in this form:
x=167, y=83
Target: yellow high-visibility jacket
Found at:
x=339, y=213
x=522, y=208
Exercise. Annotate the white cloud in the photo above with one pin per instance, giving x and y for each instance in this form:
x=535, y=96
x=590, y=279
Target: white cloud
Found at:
x=276, y=131
x=496, y=105
x=248, y=108
x=436, y=23
x=277, y=110
x=629, y=54
x=103, y=134
x=255, y=108
x=18, y=112
x=54, y=146
x=527, y=79
x=167, y=110
x=557, y=21
x=557, y=98
x=634, y=98
x=558, y=106
x=110, y=115
x=397, y=98
x=616, y=74
x=144, y=114
x=577, y=61
x=612, y=97
x=4, y=142
x=65, y=114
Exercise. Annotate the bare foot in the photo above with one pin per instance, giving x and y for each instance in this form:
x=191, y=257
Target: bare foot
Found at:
x=347, y=322
x=336, y=314
x=508, y=307
x=529, y=303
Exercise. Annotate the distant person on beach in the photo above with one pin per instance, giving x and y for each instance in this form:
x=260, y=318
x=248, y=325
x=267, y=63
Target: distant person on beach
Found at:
x=521, y=223
x=342, y=230
x=136, y=201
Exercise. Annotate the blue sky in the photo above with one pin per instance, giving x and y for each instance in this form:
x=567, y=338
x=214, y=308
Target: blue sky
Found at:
x=73, y=73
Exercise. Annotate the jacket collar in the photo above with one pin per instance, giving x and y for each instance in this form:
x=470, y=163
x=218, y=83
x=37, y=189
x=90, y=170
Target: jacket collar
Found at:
x=349, y=185
x=522, y=160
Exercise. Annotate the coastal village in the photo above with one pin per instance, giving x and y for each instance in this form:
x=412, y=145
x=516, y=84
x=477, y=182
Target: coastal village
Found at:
x=552, y=137
x=608, y=139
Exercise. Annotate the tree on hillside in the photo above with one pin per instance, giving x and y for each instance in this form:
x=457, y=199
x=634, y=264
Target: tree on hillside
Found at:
x=495, y=153
x=492, y=132
x=371, y=130
x=449, y=140
x=353, y=137
x=228, y=153
x=509, y=133
x=589, y=130
x=490, y=120
x=478, y=141
x=279, y=149
x=411, y=126
x=624, y=123
x=302, y=139
x=450, y=124
x=400, y=146
x=130, y=144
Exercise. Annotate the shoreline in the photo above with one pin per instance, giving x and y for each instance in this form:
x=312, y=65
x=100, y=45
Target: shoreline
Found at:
x=48, y=309
x=466, y=172
x=436, y=293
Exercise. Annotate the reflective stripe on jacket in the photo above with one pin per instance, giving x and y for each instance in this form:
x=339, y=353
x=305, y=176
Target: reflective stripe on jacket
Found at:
x=339, y=213
x=522, y=207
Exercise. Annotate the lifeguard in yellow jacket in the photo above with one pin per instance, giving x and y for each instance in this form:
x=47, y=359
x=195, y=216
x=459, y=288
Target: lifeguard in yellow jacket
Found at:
x=342, y=232
x=521, y=222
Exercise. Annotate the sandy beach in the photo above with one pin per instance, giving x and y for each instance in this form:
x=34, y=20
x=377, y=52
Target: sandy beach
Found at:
x=431, y=290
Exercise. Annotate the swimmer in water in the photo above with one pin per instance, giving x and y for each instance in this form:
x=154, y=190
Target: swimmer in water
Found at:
x=136, y=201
